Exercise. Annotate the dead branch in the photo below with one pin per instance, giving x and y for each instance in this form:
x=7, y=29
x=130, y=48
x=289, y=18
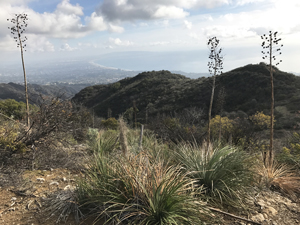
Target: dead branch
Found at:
x=233, y=216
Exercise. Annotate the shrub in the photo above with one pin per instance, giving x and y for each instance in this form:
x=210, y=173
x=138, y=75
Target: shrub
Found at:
x=260, y=120
x=110, y=123
x=139, y=190
x=9, y=131
x=224, y=174
x=291, y=154
x=223, y=123
x=55, y=120
x=103, y=141
x=280, y=177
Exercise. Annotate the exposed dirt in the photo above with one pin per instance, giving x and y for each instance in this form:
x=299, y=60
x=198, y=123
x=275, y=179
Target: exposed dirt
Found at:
x=23, y=204
x=23, y=191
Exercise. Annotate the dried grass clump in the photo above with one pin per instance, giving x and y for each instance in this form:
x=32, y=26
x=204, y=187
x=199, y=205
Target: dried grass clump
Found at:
x=280, y=177
x=123, y=139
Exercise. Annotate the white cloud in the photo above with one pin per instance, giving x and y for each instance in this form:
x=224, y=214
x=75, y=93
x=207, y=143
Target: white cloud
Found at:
x=66, y=8
x=64, y=22
x=144, y=24
x=123, y=10
x=37, y=43
x=244, y=2
x=188, y=24
x=8, y=44
x=115, y=29
x=169, y=12
x=95, y=22
x=227, y=32
x=159, y=43
x=67, y=47
x=118, y=42
x=195, y=36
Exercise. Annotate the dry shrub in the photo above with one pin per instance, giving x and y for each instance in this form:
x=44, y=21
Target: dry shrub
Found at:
x=279, y=177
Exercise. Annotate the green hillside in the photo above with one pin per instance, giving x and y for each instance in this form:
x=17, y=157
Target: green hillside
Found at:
x=247, y=89
x=16, y=91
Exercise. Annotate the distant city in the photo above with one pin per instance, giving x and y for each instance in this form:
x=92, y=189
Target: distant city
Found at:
x=70, y=72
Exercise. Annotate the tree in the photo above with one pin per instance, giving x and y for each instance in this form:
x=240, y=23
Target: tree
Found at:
x=272, y=49
x=19, y=26
x=215, y=66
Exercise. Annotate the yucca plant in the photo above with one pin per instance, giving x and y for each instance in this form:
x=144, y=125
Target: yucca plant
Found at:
x=154, y=147
x=224, y=174
x=102, y=140
x=61, y=205
x=137, y=190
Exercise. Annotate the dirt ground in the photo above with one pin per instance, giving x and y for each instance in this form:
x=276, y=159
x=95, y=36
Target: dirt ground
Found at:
x=23, y=204
x=24, y=189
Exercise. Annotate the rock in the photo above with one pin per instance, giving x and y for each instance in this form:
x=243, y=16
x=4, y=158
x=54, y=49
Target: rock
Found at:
x=64, y=179
x=13, y=199
x=69, y=187
x=261, y=203
x=258, y=217
x=54, y=183
x=270, y=211
x=40, y=179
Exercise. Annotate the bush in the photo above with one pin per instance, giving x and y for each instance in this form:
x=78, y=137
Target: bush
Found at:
x=55, y=121
x=139, y=190
x=14, y=109
x=9, y=131
x=110, y=123
x=223, y=123
x=102, y=141
x=224, y=174
x=291, y=154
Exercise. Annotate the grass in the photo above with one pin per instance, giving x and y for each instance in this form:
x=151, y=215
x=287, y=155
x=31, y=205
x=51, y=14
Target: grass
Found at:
x=279, y=177
x=61, y=205
x=139, y=190
x=102, y=141
x=224, y=173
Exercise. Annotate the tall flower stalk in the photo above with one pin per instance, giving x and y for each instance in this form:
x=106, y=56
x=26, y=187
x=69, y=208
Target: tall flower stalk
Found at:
x=215, y=66
x=271, y=49
x=19, y=27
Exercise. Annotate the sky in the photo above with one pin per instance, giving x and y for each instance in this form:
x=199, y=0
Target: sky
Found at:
x=151, y=34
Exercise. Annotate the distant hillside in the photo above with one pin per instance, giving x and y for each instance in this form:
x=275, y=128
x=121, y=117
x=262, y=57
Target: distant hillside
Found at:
x=247, y=89
x=16, y=91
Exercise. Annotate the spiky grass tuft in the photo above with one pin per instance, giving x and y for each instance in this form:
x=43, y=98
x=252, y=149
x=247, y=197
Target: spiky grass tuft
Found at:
x=61, y=205
x=224, y=173
x=139, y=190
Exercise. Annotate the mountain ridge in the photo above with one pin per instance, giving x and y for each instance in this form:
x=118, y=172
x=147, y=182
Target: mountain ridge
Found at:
x=161, y=92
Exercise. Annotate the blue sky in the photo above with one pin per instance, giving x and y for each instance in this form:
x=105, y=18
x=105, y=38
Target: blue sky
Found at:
x=152, y=34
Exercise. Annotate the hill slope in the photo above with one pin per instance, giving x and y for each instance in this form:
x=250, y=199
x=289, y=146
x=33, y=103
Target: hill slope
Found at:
x=247, y=89
x=16, y=91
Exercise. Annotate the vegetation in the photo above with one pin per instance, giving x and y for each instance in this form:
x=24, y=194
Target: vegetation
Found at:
x=223, y=173
x=171, y=172
x=162, y=94
x=19, y=27
x=215, y=68
x=271, y=44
